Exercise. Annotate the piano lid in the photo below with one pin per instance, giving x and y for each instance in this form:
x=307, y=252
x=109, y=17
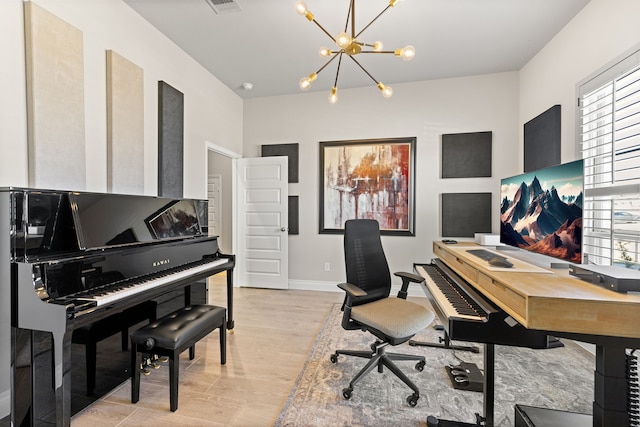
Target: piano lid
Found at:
x=54, y=223
x=105, y=220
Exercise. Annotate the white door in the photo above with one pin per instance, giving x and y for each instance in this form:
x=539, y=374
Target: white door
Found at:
x=262, y=219
x=214, y=194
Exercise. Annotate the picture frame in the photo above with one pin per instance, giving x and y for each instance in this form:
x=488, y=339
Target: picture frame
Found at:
x=370, y=178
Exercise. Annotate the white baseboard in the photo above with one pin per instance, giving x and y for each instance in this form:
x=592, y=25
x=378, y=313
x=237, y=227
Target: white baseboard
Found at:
x=313, y=285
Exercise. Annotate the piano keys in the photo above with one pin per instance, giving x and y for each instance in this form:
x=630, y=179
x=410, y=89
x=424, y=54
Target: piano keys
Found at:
x=73, y=258
x=468, y=316
x=113, y=292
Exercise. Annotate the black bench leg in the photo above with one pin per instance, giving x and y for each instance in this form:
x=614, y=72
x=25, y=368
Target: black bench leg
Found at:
x=192, y=352
x=223, y=344
x=174, y=370
x=136, y=360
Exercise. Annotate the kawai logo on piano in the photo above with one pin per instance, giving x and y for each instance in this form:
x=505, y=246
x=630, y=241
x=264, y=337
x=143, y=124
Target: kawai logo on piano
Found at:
x=161, y=262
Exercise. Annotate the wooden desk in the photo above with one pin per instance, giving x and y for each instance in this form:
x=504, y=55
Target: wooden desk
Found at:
x=549, y=300
x=553, y=301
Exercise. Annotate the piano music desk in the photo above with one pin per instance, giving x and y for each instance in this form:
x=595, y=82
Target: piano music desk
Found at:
x=554, y=301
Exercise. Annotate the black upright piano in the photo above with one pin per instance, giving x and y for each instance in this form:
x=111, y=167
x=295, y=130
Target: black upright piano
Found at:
x=69, y=259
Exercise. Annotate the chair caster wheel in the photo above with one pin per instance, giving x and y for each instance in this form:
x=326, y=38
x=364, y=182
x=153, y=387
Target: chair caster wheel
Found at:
x=420, y=366
x=334, y=358
x=412, y=400
x=346, y=393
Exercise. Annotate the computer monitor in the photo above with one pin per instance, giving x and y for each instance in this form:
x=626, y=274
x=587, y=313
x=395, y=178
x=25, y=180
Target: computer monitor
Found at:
x=541, y=211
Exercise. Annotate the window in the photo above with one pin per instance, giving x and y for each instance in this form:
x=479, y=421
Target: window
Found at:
x=609, y=134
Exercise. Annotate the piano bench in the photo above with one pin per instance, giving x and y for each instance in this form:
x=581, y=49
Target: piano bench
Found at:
x=102, y=329
x=171, y=335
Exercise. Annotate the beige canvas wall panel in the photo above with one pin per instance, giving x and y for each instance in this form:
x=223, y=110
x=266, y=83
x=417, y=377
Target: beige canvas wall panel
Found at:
x=55, y=101
x=125, y=125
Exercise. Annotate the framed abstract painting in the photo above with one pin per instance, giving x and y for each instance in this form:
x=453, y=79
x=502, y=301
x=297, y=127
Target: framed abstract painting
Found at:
x=373, y=179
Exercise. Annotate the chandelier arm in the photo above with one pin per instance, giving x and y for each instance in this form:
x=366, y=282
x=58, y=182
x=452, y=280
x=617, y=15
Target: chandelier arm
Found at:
x=353, y=19
x=329, y=61
x=325, y=31
x=349, y=15
x=377, y=51
x=335, y=83
x=363, y=69
x=372, y=21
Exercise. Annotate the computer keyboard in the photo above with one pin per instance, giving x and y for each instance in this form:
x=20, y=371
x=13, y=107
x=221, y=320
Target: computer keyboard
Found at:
x=483, y=254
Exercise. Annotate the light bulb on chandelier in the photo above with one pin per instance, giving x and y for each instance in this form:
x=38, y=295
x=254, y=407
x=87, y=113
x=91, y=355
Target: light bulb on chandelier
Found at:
x=407, y=53
x=333, y=98
x=325, y=51
x=349, y=44
x=387, y=92
x=305, y=82
x=343, y=40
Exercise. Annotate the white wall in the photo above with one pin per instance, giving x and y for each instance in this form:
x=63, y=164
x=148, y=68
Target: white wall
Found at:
x=602, y=31
x=501, y=103
x=212, y=112
x=425, y=110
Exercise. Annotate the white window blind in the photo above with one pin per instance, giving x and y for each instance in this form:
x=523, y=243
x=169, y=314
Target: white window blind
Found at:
x=609, y=129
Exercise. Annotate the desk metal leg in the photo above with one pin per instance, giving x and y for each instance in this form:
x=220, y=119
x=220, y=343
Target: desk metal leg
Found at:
x=489, y=383
x=610, y=405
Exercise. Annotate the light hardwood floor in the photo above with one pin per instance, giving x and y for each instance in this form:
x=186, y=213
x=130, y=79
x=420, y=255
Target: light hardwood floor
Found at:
x=274, y=331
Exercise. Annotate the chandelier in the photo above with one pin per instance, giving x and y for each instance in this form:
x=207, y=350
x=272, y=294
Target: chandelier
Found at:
x=348, y=44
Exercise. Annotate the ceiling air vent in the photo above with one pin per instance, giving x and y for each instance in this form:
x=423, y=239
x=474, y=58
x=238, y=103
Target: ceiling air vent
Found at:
x=224, y=6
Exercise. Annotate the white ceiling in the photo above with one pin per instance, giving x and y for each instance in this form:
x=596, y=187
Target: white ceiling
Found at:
x=270, y=46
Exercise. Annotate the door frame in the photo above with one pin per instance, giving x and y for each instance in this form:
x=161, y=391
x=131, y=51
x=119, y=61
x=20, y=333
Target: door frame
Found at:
x=218, y=149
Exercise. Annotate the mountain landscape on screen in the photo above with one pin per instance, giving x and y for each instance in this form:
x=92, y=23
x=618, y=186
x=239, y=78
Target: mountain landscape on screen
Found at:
x=542, y=212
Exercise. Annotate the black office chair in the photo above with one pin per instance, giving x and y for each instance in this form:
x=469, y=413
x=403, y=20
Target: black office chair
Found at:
x=368, y=307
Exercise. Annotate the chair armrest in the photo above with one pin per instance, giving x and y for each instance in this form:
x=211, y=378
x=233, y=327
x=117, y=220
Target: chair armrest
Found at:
x=352, y=290
x=406, y=279
x=415, y=278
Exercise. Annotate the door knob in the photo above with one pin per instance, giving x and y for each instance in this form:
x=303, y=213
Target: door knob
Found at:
x=283, y=229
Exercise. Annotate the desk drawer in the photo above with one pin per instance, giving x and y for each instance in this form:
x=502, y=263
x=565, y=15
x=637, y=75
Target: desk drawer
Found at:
x=468, y=272
x=511, y=301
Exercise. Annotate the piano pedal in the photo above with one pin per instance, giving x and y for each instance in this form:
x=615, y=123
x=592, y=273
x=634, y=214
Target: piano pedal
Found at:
x=162, y=359
x=144, y=370
x=466, y=376
x=149, y=362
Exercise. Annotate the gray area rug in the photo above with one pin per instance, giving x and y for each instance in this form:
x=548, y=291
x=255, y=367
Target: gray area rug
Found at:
x=558, y=378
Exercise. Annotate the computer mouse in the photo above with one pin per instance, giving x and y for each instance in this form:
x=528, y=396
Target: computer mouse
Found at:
x=498, y=261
